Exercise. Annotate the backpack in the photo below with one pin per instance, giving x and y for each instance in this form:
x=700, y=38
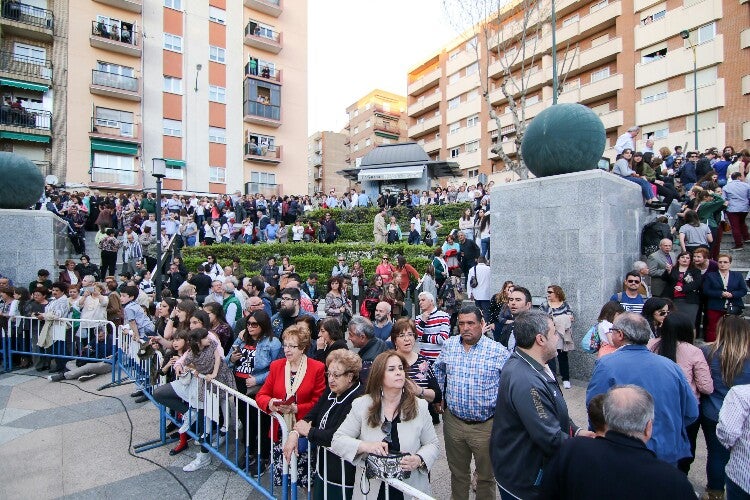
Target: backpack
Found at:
x=322, y=233
x=393, y=236
x=591, y=341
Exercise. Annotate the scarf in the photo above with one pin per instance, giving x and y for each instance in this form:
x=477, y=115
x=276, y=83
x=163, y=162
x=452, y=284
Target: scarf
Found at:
x=291, y=388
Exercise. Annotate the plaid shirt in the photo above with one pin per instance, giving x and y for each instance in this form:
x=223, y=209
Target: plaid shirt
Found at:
x=473, y=377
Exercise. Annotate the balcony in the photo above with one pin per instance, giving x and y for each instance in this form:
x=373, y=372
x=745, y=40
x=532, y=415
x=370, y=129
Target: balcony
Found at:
x=588, y=24
x=123, y=41
x=679, y=62
x=593, y=91
x=470, y=160
x=432, y=146
x=746, y=85
x=745, y=38
x=463, y=110
x=114, y=130
x=262, y=38
x=25, y=20
x=316, y=160
x=271, y=7
x=509, y=147
x=689, y=17
x=269, y=155
x=531, y=82
x=463, y=59
x=612, y=119
x=680, y=103
x=428, y=125
x=424, y=82
x=114, y=178
x=114, y=85
x=262, y=114
x=28, y=69
x=424, y=103
x=130, y=5
x=596, y=56
x=25, y=125
x=529, y=112
x=387, y=129
x=462, y=136
x=463, y=85
x=263, y=73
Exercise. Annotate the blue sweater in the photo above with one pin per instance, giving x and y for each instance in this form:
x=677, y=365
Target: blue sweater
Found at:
x=675, y=403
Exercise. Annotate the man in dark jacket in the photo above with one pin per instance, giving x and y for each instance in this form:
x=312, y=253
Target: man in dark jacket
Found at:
x=468, y=253
x=362, y=335
x=331, y=229
x=587, y=468
x=202, y=283
x=531, y=416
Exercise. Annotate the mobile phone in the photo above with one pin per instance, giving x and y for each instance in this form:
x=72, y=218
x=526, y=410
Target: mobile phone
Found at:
x=291, y=399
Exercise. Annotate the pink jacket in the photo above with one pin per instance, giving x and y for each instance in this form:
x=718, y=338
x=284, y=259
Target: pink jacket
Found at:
x=694, y=366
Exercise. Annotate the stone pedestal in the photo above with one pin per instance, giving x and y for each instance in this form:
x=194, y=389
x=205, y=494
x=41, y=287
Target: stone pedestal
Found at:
x=32, y=240
x=580, y=231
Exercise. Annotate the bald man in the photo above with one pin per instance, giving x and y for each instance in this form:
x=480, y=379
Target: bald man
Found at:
x=658, y=262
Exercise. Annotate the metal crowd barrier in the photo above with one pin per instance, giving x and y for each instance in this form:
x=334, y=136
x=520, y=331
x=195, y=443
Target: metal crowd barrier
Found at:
x=341, y=483
x=68, y=339
x=224, y=435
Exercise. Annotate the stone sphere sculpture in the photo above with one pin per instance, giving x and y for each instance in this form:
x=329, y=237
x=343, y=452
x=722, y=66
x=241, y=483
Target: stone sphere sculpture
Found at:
x=22, y=182
x=563, y=138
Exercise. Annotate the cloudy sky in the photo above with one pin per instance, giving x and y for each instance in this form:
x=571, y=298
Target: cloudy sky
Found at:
x=353, y=49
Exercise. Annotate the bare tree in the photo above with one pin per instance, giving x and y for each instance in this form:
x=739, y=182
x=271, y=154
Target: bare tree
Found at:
x=508, y=38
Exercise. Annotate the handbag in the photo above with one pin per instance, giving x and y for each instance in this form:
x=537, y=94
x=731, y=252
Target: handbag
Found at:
x=591, y=341
x=733, y=309
x=427, y=238
x=474, y=282
x=382, y=467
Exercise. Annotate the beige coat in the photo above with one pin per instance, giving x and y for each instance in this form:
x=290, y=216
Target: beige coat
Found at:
x=379, y=229
x=415, y=436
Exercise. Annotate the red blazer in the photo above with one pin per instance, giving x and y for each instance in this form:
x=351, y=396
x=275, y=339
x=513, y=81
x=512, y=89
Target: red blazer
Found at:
x=65, y=277
x=308, y=393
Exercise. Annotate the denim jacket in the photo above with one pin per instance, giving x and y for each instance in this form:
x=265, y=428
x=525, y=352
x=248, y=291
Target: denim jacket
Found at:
x=267, y=350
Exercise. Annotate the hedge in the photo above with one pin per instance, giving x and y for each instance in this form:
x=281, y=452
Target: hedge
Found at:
x=403, y=214
x=354, y=232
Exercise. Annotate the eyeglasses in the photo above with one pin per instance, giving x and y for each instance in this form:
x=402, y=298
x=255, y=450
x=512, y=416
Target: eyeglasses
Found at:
x=550, y=291
x=336, y=375
x=633, y=281
x=614, y=330
x=405, y=335
x=253, y=324
x=661, y=312
x=287, y=299
x=386, y=428
x=290, y=346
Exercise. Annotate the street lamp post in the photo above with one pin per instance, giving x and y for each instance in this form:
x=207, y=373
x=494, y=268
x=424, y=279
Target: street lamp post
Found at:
x=555, y=82
x=159, y=172
x=685, y=34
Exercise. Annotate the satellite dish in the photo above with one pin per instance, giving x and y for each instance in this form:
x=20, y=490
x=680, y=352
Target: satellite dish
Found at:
x=52, y=180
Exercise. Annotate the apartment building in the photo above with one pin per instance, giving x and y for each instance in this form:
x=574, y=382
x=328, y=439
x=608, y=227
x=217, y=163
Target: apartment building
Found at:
x=327, y=153
x=625, y=60
x=198, y=83
x=375, y=119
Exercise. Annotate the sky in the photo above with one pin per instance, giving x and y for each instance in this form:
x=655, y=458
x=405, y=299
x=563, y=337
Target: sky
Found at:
x=355, y=46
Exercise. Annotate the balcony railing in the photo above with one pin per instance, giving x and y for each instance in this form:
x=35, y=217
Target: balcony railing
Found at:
x=113, y=80
x=263, y=153
x=25, y=66
x=263, y=72
x=254, y=29
x=113, y=128
x=128, y=36
x=268, y=111
x=30, y=119
x=120, y=177
x=27, y=14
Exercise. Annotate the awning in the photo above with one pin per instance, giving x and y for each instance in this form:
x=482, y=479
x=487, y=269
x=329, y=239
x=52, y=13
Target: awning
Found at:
x=391, y=173
x=175, y=163
x=20, y=136
x=7, y=82
x=114, y=147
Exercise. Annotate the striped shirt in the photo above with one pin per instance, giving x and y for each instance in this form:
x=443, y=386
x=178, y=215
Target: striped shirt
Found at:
x=471, y=378
x=432, y=333
x=733, y=431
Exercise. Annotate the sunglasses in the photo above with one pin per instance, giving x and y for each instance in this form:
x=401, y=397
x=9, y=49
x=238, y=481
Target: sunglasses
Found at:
x=662, y=313
x=387, y=427
x=634, y=281
x=253, y=324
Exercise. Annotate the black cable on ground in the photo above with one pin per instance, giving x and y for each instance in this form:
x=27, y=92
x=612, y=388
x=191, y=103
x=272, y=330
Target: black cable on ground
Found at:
x=127, y=414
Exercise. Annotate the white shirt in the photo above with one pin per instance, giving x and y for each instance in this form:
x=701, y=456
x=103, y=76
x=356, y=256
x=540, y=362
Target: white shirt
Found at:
x=417, y=224
x=625, y=141
x=484, y=281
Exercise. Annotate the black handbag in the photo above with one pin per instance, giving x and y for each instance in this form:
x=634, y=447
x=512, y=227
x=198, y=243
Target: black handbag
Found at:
x=382, y=467
x=733, y=309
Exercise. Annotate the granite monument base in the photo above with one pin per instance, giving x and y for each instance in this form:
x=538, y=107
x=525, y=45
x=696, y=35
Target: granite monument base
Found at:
x=580, y=231
x=32, y=240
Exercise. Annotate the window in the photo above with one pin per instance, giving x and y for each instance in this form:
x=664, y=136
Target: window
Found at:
x=217, y=54
x=532, y=100
x=705, y=76
x=474, y=172
x=172, y=128
x=659, y=15
x=29, y=53
x=570, y=20
x=600, y=75
x=471, y=146
x=367, y=142
x=173, y=4
x=172, y=85
x=217, y=134
x=356, y=130
x=453, y=103
x=454, y=54
x=367, y=124
x=217, y=94
x=571, y=84
x=261, y=181
x=653, y=93
x=653, y=53
x=114, y=69
x=217, y=174
x=174, y=172
x=472, y=68
x=600, y=40
x=661, y=133
x=454, y=127
x=707, y=32
x=420, y=120
x=367, y=106
x=356, y=112
x=472, y=121
x=455, y=152
x=472, y=94
x=217, y=15
x=113, y=169
x=356, y=147
x=262, y=99
x=114, y=76
x=598, y=6
x=172, y=42
x=120, y=121
x=454, y=78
